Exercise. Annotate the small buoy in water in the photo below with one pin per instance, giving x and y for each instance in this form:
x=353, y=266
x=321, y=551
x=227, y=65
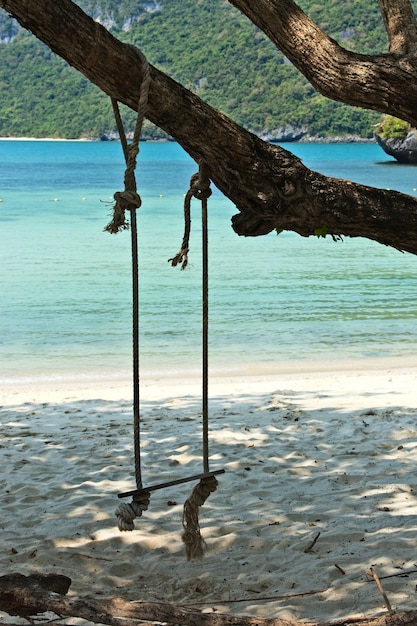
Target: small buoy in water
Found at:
x=55, y=199
x=83, y=198
x=414, y=189
x=161, y=195
x=1, y=199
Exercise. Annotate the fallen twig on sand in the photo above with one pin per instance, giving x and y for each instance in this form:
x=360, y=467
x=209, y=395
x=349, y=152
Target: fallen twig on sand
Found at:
x=312, y=544
x=374, y=575
x=258, y=598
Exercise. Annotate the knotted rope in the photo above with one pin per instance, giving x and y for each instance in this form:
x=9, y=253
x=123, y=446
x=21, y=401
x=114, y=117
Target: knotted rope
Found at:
x=126, y=513
x=199, y=189
x=194, y=542
x=129, y=200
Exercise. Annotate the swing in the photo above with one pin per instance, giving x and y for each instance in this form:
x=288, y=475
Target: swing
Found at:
x=129, y=200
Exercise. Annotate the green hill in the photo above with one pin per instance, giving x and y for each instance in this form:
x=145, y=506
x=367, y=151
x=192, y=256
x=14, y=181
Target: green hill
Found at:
x=208, y=46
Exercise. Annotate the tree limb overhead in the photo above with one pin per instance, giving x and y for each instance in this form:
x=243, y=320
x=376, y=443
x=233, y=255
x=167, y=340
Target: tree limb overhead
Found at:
x=384, y=83
x=401, y=26
x=270, y=187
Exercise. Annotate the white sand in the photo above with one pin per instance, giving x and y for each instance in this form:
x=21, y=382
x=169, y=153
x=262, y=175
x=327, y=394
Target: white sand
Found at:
x=305, y=453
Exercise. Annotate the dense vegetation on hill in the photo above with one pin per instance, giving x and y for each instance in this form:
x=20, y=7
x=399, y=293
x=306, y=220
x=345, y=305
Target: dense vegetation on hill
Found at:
x=208, y=46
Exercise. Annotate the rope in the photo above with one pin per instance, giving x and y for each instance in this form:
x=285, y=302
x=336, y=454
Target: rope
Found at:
x=129, y=200
x=194, y=543
x=126, y=513
x=204, y=184
x=200, y=189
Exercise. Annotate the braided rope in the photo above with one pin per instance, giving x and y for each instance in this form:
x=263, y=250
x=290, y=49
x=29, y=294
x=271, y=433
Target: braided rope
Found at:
x=192, y=539
x=199, y=189
x=129, y=200
x=126, y=513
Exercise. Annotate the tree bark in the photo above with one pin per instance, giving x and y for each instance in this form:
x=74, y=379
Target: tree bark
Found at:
x=401, y=26
x=26, y=596
x=384, y=83
x=271, y=188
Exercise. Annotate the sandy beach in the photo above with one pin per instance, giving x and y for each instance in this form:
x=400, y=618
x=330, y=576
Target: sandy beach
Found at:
x=320, y=486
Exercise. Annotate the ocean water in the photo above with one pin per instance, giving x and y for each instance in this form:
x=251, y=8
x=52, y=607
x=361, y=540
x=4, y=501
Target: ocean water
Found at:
x=65, y=305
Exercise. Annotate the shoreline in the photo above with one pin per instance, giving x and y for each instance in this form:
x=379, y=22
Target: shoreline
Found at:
x=43, y=139
x=166, y=384
x=303, y=140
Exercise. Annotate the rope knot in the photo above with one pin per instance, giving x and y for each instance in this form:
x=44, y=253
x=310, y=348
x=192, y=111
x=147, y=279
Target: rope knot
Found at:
x=194, y=542
x=200, y=186
x=200, y=189
x=124, y=201
x=128, y=200
x=126, y=513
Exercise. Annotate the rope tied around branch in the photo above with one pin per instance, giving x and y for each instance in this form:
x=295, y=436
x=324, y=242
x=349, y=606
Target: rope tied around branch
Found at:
x=129, y=199
x=199, y=189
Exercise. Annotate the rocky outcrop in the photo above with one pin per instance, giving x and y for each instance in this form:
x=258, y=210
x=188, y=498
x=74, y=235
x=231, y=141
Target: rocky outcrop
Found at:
x=287, y=134
x=402, y=149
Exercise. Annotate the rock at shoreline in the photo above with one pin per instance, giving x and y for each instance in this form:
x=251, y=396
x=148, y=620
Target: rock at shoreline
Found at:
x=403, y=150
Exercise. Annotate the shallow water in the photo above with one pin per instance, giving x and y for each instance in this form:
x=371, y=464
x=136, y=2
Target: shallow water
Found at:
x=65, y=307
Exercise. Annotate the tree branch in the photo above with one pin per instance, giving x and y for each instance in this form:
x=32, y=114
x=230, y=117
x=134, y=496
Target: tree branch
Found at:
x=24, y=596
x=384, y=83
x=401, y=26
x=270, y=187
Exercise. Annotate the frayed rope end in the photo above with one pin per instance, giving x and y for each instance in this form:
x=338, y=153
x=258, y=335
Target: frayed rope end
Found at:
x=194, y=542
x=124, y=201
x=180, y=258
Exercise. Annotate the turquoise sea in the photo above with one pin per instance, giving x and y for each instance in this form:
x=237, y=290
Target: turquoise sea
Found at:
x=65, y=306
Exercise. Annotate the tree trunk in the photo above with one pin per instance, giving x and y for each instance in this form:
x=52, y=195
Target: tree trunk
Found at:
x=25, y=596
x=270, y=187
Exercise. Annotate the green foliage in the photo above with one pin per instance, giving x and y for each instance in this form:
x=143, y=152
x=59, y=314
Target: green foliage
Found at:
x=393, y=128
x=210, y=47
x=321, y=232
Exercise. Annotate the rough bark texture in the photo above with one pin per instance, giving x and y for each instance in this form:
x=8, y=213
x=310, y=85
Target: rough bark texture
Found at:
x=270, y=187
x=26, y=596
x=385, y=83
x=400, y=24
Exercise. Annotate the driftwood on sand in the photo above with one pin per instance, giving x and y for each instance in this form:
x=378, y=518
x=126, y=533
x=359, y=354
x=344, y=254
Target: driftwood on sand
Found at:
x=26, y=596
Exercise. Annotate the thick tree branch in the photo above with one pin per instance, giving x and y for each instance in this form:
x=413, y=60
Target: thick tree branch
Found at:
x=24, y=596
x=270, y=186
x=384, y=83
x=401, y=26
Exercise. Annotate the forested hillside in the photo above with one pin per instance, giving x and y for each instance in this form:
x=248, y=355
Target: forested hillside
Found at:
x=206, y=45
